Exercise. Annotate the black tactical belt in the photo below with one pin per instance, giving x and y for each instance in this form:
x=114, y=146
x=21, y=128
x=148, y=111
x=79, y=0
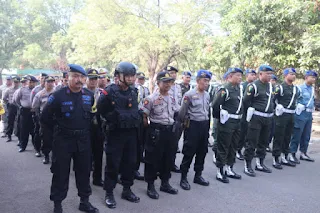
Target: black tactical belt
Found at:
x=160, y=126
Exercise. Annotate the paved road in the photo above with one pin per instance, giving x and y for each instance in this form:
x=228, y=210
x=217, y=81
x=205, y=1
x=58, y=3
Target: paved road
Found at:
x=25, y=184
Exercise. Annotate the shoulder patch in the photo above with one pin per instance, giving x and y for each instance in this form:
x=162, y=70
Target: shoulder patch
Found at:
x=104, y=92
x=50, y=99
x=223, y=93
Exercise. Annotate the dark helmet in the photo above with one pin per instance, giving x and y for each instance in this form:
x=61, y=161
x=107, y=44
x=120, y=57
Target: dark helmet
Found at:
x=126, y=68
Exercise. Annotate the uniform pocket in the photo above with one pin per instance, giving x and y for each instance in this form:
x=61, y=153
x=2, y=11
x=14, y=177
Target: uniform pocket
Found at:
x=67, y=111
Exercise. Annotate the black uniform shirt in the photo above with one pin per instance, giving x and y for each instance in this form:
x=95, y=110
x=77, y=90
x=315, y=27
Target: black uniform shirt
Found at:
x=284, y=95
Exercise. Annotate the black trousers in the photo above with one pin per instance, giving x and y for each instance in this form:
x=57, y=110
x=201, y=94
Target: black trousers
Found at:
x=36, y=132
x=66, y=147
x=97, y=140
x=283, y=130
x=257, y=138
x=12, y=112
x=47, y=139
x=17, y=124
x=26, y=128
x=142, y=134
x=243, y=132
x=195, y=144
x=227, y=143
x=121, y=152
x=160, y=152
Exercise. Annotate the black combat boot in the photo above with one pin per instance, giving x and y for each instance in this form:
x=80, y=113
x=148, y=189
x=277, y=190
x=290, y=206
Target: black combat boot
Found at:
x=138, y=176
x=184, y=182
x=57, y=207
x=248, y=169
x=46, y=159
x=200, y=180
x=9, y=138
x=86, y=206
x=276, y=163
x=151, y=192
x=221, y=176
x=231, y=174
x=261, y=167
x=110, y=201
x=128, y=195
x=166, y=187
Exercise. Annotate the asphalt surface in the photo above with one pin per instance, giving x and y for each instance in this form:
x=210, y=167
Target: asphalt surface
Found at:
x=25, y=186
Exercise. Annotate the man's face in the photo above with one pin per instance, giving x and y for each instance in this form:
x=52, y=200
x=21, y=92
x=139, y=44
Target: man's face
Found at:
x=32, y=84
x=16, y=83
x=310, y=79
x=49, y=85
x=65, y=81
x=173, y=74
x=251, y=77
x=291, y=77
x=42, y=81
x=265, y=76
x=76, y=80
x=165, y=86
x=235, y=78
x=102, y=82
x=128, y=79
x=9, y=83
x=186, y=79
x=203, y=83
x=273, y=81
x=141, y=81
x=92, y=82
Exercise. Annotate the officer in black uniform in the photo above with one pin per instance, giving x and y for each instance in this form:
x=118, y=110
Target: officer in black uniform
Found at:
x=286, y=95
x=68, y=113
x=227, y=107
x=118, y=106
x=185, y=85
x=97, y=137
x=251, y=76
x=258, y=100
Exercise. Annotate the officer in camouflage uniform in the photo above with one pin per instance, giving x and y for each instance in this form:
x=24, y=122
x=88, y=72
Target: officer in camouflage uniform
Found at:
x=118, y=106
x=227, y=107
x=160, y=144
x=251, y=76
x=12, y=108
x=38, y=103
x=195, y=113
x=286, y=95
x=258, y=100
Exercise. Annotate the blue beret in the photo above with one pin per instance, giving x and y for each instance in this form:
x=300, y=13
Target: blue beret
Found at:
x=9, y=77
x=185, y=73
x=274, y=77
x=204, y=74
x=225, y=75
x=311, y=73
x=286, y=71
x=234, y=69
x=77, y=68
x=32, y=78
x=248, y=71
x=265, y=68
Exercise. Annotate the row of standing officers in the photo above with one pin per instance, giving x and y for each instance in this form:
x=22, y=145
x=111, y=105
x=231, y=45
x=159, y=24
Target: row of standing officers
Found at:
x=132, y=122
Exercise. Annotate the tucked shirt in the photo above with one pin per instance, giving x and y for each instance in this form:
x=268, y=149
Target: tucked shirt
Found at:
x=23, y=97
x=40, y=100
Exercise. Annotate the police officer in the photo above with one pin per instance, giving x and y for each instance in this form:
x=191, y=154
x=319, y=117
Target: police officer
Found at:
x=216, y=121
x=258, y=100
x=161, y=144
x=35, y=115
x=185, y=85
x=96, y=133
x=38, y=104
x=12, y=108
x=67, y=114
x=118, y=106
x=26, y=123
x=227, y=107
x=176, y=92
x=303, y=119
x=274, y=80
x=251, y=76
x=143, y=92
x=24, y=82
x=64, y=81
x=4, y=117
x=195, y=113
x=286, y=95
